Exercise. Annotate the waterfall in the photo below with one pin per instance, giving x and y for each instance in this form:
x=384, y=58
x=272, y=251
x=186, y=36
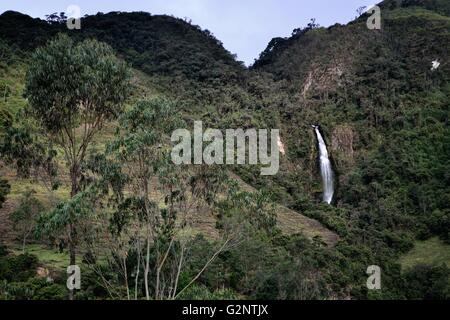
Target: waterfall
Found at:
x=325, y=168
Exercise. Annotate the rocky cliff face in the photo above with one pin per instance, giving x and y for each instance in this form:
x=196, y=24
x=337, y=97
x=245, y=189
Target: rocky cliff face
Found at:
x=342, y=141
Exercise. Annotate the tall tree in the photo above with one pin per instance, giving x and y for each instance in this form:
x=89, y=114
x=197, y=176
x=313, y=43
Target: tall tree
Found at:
x=73, y=89
x=24, y=217
x=154, y=203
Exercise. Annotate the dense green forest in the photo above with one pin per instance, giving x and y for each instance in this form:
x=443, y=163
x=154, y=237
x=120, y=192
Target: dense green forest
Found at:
x=86, y=178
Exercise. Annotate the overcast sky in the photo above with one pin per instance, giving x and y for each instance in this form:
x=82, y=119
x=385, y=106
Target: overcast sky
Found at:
x=244, y=26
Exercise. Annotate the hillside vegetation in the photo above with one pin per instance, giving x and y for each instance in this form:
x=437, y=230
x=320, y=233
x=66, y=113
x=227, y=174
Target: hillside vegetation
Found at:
x=382, y=108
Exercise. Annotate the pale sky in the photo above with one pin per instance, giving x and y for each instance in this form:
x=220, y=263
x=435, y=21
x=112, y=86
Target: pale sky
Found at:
x=244, y=26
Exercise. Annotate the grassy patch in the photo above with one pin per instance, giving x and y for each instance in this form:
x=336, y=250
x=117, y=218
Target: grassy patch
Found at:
x=431, y=251
x=51, y=258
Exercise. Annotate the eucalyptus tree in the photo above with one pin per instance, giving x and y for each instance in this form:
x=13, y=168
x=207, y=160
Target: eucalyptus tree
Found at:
x=73, y=89
x=141, y=146
x=25, y=216
x=153, y=200
x=22, y=150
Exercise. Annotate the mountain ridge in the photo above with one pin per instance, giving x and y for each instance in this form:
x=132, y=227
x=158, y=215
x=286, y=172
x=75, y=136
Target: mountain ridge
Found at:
x=382, y=107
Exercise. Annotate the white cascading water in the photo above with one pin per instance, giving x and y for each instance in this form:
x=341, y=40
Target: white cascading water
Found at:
x=325, y=168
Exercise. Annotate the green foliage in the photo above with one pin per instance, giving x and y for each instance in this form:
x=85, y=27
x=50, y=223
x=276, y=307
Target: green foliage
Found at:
x=432, y=252
x=4, y=190
x=24, y=217
x=439, y=223
x=394, y=187
x=51, y=257
x=427, y=282
x=42, y=290
x=17, y=268
x=261, y=268
x=6, y=120
x=6, y=55
x=196, y=292
x=164, y=45
x=393, y=181
x=3, y=250
x=63, y=80
x=146, y=124
x=35, y=31
x=138, y=154
x=18, y=281
x=71, y=85
x=241, y=208
x=33, y=289
x=439, y=6
x=20, y=147
x=278, y=45
x=69, y=212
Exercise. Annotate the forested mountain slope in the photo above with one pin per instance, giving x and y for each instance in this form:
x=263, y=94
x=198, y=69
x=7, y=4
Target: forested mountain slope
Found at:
x=381, y=104
x=383, y=110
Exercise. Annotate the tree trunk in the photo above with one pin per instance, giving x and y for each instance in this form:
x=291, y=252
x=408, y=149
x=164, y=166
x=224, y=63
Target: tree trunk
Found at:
x=25, y=239
x=72, y=253
x=147, y=256
x=204, y=268
x=72, y=229
x=138, y=269
x=177, y=277
x=126, y=276
x=147, y=268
